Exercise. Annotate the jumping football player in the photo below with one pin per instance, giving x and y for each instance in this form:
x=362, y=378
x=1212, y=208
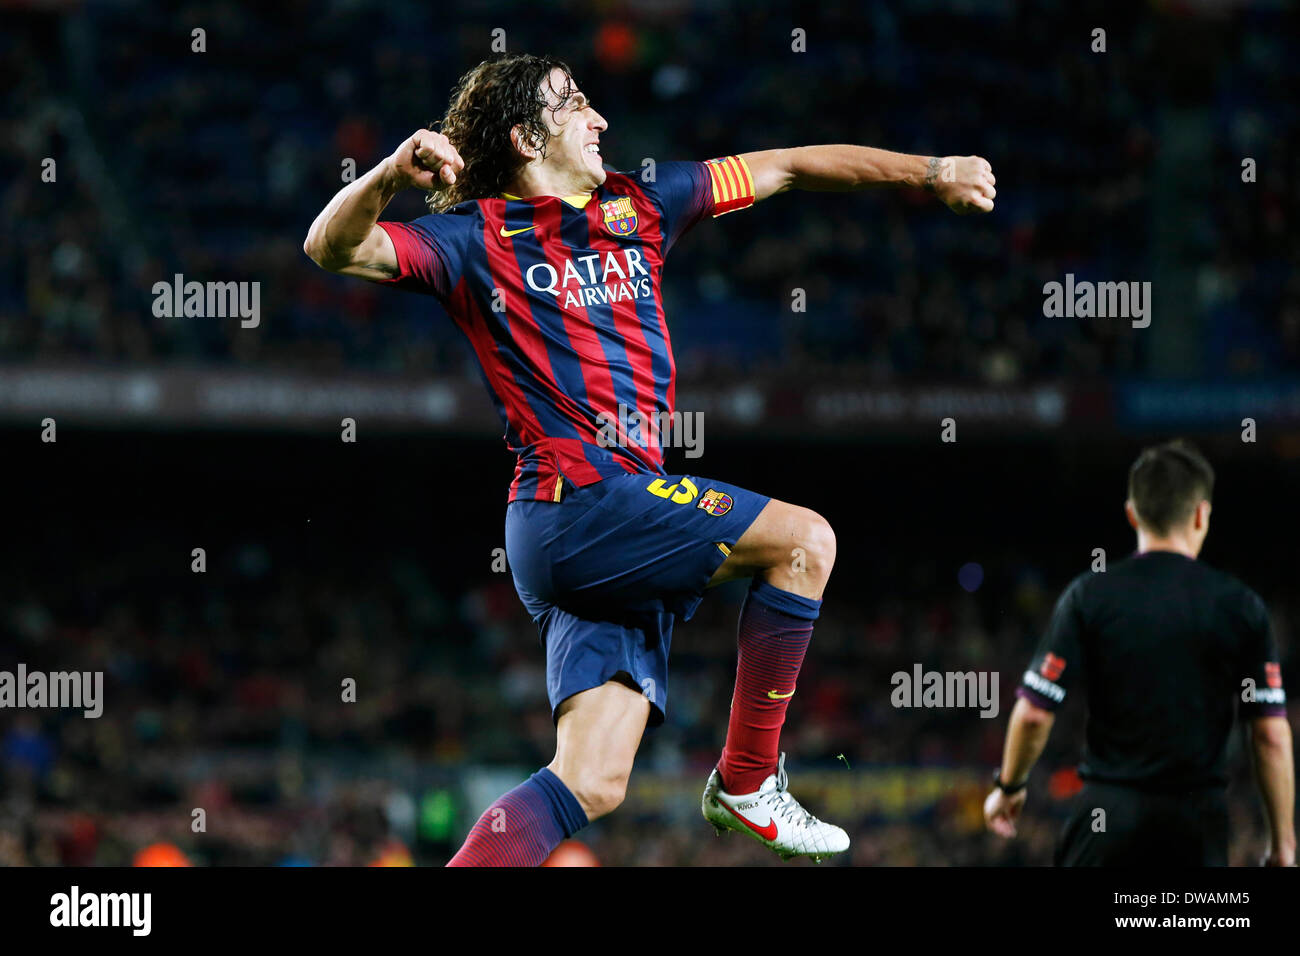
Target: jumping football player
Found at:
x=551, y=266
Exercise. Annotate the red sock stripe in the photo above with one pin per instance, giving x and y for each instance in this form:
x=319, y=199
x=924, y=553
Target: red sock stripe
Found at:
x=772, y=646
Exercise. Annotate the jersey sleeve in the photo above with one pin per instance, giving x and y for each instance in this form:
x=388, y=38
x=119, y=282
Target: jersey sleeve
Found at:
x=1057, y=665
x=1264, y=696
x=687, y=192
x=430, y=252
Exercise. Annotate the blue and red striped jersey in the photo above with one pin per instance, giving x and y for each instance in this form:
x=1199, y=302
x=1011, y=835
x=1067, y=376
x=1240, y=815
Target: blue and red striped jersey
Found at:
x=560, y=300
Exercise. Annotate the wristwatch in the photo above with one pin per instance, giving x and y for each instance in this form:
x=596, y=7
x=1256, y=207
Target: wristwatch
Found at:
x=1010, y=789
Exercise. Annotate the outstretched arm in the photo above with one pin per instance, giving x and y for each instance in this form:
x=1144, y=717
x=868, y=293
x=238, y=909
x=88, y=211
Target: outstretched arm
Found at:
x=964, y=183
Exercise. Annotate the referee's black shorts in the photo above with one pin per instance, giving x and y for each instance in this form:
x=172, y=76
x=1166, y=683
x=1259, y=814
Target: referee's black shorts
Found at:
x=1145, y=829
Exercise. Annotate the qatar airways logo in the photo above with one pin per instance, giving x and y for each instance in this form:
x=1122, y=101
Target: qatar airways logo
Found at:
x=593, y=279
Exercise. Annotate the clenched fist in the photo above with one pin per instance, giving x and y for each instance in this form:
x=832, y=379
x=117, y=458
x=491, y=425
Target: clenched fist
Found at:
x=964, y=183
x=425, y=161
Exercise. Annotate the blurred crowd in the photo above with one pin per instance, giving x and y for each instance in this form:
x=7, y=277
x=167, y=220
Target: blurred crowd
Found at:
x=364, y=713
x=212, y=164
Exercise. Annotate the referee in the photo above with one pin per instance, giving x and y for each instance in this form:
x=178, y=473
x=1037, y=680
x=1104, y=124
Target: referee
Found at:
x=1165, y=650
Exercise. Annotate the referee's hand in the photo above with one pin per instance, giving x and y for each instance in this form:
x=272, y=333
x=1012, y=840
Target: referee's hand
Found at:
x=1001, y=812
x=1277, y=857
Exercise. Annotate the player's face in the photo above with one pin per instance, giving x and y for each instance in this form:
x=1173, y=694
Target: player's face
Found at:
x=574, y=147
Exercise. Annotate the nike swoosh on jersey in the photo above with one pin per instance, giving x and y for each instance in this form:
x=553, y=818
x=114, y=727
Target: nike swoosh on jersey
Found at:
x=767, y=833
x=507, y=233
x=775, y=696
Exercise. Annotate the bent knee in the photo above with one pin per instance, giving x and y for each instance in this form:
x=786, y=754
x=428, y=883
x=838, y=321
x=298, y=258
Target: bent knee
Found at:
x=817, y=540
x=600, y=793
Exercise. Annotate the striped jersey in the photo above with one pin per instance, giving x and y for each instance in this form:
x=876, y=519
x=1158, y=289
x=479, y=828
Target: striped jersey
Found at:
x=560, y=300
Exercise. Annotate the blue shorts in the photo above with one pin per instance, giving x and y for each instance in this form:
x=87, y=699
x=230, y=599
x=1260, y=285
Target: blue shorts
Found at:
x=606, y=571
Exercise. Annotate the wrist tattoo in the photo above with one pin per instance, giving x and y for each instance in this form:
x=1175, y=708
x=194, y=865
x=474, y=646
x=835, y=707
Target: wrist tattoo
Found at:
x=932, y=172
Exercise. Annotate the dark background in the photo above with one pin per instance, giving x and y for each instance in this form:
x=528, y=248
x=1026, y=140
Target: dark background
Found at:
x=373, y=561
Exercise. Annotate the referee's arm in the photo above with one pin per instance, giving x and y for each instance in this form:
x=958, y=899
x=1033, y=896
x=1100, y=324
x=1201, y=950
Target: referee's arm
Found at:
x=1055, y=670
x=1027, y=734
x=1264, y=716
x=1270, y=739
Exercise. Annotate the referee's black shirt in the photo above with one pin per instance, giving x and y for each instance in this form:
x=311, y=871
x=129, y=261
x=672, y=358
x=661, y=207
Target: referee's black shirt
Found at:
x=1165, y=650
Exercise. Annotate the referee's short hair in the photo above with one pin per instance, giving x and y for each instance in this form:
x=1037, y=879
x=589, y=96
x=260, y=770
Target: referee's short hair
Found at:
x=1167, y=482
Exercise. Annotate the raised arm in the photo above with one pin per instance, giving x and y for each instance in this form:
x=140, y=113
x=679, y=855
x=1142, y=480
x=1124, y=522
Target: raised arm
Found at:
x=964, y=183
x=344, y=237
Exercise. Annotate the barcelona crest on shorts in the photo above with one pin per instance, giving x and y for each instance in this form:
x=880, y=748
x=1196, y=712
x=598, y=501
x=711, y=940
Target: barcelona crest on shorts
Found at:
x=620, y=217
x=715, y=502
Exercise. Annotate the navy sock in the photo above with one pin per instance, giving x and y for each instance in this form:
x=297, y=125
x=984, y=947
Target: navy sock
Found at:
x=524, y=825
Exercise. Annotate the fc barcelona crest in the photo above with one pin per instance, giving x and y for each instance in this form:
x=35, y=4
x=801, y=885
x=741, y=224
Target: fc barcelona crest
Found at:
x=715, y=502
x=620, y=217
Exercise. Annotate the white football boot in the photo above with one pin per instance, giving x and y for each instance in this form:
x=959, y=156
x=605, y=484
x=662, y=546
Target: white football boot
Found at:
x=772, y=817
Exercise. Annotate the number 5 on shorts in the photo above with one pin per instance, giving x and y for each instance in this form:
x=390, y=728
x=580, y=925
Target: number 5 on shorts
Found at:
x=678, y=495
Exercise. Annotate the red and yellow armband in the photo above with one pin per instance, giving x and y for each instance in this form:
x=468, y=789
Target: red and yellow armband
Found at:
x=733, y=186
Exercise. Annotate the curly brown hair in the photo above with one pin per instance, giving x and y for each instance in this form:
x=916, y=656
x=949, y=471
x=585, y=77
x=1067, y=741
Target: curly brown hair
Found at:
x=486, y=104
